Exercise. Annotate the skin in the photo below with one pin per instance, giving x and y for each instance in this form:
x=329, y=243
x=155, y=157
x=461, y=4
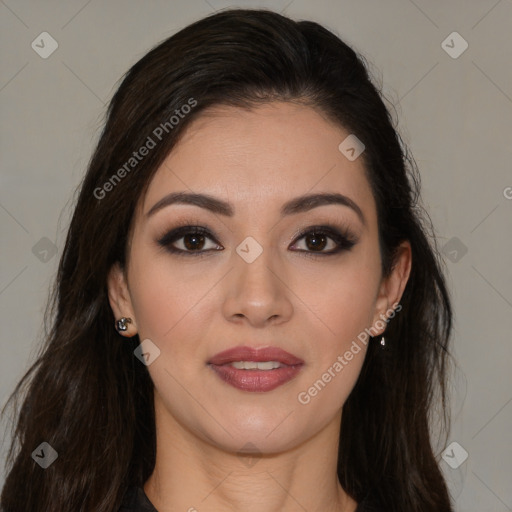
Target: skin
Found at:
x=194, y=307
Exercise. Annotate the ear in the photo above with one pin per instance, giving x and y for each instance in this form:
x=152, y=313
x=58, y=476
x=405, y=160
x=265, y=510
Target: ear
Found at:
x=392, y=288
x=120, y=300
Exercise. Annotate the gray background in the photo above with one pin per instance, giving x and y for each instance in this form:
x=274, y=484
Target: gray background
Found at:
x=455, y=114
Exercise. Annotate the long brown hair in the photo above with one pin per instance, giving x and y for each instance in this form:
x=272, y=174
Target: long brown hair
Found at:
x=91, y=400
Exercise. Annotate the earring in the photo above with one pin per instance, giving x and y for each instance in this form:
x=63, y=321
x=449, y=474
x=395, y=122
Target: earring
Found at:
x=121, y=325
x=383, y=341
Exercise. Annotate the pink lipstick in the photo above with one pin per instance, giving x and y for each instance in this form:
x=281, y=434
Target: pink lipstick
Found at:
x=255, y=370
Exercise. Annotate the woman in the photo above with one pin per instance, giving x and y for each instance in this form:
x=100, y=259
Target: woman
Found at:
x=248, y=313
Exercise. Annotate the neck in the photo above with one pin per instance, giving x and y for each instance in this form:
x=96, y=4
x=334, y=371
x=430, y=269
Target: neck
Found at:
x=193, y=475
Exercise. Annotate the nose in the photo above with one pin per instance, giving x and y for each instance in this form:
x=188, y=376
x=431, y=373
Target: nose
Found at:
x=257, y=292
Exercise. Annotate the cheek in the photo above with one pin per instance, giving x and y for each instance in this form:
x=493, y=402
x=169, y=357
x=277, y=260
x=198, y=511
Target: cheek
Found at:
x=337, y=342
x=340, y=303
x=338, y=354
x=169, y=299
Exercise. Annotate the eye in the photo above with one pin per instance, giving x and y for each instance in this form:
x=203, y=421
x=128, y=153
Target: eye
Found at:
x=319, y=238
x=193, y=241
x=190, y=240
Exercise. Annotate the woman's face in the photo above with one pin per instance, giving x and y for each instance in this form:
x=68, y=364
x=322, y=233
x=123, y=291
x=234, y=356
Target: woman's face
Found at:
x=250, y=279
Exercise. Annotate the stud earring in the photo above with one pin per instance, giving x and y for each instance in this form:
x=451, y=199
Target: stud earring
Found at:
x=383, y=341
x=121, y=325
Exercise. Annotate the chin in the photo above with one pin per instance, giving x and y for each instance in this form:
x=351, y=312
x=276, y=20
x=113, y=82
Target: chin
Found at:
x=255, y=433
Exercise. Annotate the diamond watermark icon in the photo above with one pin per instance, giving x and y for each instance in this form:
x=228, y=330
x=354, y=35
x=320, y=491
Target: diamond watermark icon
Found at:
x=44, y=45
x=45, y=455
x=249, y=455
x=44, y=250
x=455, y=455
x=147, y=352
x=351, y=147
x=454, y=249
x=454, y=45
x=249, y=249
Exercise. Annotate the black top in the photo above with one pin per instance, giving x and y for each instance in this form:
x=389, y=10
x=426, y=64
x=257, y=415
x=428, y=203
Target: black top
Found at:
x=135, y=500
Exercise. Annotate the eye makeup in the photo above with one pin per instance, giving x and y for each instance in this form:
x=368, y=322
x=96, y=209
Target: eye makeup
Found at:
x=193, y=237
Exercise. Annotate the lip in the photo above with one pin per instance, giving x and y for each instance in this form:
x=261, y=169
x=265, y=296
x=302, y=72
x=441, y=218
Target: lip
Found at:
x=255, y=380
x=244, y=353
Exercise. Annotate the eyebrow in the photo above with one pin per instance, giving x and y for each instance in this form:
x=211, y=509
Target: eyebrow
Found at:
x=294, y=206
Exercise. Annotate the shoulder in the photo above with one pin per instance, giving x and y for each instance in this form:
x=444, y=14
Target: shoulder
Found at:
x=135, y=500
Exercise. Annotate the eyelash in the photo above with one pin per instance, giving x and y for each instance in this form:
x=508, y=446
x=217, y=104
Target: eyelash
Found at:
x=344, y=239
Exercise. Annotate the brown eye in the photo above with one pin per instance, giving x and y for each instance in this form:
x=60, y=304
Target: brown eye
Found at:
x=316, y=241
x=193, y=241
x=319, y=238
x=188, y=240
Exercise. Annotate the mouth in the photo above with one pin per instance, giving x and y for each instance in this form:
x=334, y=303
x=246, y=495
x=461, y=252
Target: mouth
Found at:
x=255, y=370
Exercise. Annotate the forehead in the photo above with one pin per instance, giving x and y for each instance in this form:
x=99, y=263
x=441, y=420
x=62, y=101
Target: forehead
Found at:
x=261, y=157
